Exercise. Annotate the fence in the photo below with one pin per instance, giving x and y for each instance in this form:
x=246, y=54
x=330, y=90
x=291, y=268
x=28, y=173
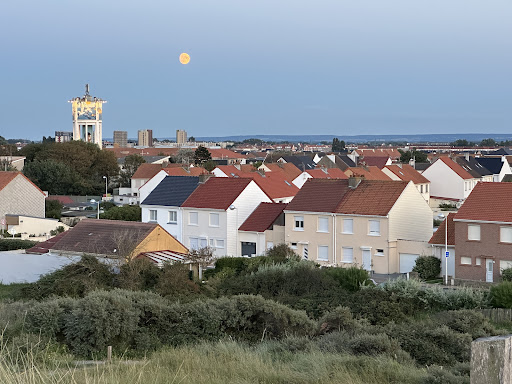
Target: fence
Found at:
x=498, y=315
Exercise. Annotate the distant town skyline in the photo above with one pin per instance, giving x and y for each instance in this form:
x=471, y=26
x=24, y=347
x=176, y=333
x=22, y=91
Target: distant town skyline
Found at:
x=259, y=67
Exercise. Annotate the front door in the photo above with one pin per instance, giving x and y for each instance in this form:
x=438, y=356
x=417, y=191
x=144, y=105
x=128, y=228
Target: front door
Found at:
x=367, y=259
x=488, y=275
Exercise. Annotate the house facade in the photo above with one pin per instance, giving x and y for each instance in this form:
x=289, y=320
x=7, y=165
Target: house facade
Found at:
x=382, y=226
x=405, y=172
x=20, y=196
x=483, y=233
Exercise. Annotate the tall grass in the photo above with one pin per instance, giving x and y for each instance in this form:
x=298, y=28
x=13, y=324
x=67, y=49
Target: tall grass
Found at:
x=213, y=363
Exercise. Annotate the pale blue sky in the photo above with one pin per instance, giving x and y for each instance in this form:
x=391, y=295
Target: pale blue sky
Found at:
x=259, y=66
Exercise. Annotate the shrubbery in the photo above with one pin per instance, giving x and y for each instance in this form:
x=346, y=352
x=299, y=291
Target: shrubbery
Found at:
x=351, y=278
x=501, y=295
x=428, y=267
x=506, y=274
x=13, y=244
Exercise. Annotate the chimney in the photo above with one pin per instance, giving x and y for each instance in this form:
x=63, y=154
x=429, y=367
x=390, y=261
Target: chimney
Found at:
x=354, y=180
x=466, y=155
x=203, y=177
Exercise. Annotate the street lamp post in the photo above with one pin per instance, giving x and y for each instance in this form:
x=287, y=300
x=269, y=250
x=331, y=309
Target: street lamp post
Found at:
x=446, y=254
x=106, y=185
x=94, y=201
x=232, y=207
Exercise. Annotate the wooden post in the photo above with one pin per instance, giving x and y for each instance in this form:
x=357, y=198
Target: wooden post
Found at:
x=109, y=354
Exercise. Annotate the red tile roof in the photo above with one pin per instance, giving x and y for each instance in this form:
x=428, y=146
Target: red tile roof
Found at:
x=488, y=202
x=61, y=199
x=369, y=173
x=147, y=171
x=180, y=171
x=456, y=167
x=377, y=161
x=408, y=173
x=438, y=236
x=327, y=173
x=222, y=153
x=386, y=152
x=290, y=170
x=263, y=217
x=371, y=197
x=120, y=152
x=45, y=246
x=231, y=170
x=217, y=193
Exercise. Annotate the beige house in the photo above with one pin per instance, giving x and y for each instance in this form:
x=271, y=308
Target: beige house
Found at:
x=405, y=172
x=382, y=226
x=20, y=196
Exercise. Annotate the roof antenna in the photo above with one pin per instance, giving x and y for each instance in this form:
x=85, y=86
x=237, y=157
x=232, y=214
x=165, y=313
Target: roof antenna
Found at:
x=86, y=89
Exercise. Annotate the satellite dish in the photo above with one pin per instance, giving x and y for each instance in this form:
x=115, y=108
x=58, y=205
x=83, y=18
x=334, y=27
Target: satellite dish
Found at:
x=184, y=58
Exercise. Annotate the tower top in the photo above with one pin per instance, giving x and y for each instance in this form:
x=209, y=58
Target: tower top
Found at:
x=86, y=89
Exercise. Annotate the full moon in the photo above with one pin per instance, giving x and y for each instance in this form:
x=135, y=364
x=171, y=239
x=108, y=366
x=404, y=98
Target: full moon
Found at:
x=184, y=58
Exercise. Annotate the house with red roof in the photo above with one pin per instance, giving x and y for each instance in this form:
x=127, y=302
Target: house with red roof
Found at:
x=449, y=181
x=382, y=226
x=212, y=214
x=320, y=173
x=20, y=196
x=405, y=172
x=483, y=233
x=440, y=246
x=263, y=229
x=369, y=173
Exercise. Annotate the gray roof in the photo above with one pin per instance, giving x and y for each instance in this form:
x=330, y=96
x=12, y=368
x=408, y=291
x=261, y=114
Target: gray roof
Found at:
x=493, y=164
x=472, y=166
x=172, y=191
x=302, y=162
x=502, y=151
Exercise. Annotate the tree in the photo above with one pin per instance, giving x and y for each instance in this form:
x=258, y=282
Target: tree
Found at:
x=55, y=177
x=488, y=143
x=126, y=213
x=184, y=155
x=131, y=164
x=419, y=156
x=201, y=155
x=253, y=141
x=192, y=139
x=337, y=145
x=209, y=165
x=461, y=143
x=202, y=257
x=53, y=209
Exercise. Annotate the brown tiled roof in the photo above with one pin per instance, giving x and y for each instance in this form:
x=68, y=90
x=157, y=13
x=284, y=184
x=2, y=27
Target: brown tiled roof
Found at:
x=222, y=153
x=289, y=170
x=371, y=197
x=217, y=193
x=327, y=173
x=61, y=199
x=386, y=152
x=7, y=177
x=147, y=171
x=231, y=170
x=120, y=152
x=408, y=173
x=438, y=236
x=456, y=167
x=180, y=171
x=102, y=236
x=45, y=246
x=263, y=217
x=369, y=173
x=488, y=202
x=377, y=161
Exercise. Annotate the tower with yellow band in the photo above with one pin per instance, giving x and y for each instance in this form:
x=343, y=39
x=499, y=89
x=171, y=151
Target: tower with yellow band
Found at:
x=87, y=118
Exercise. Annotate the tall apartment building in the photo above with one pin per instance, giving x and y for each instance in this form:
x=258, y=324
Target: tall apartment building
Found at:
x=181, y=136
x=62, y=137
x=146, y=138
x=121, y=138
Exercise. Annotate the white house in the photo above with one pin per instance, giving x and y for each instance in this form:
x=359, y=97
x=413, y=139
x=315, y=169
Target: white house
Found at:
x=213, y=213
x=448, y=180
x=163, y=203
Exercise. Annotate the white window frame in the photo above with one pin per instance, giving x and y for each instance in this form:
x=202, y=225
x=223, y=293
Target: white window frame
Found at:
x=191, y=215
x=212, y=222
x=153, y=215
x=466, y=260
x=170, y=219
x=324, y=248
x=298, y=220
x=503, y=236
x=190, y=239
x=345, y=229
x=373, y=233
x=325, y=220
x=220, y=243
x=474, y=233
x=377, y=253
x=343, y=260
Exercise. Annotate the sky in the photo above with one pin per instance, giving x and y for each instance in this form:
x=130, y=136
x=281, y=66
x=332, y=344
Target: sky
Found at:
x=258, y=66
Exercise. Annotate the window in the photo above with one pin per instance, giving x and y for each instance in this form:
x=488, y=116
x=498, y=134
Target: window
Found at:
x=374, y=227
x=465, y=260
x=173, y=217
x=348, y=226
x=193, y=243
x=473, y=232
x=220, y=243
x=421, y=188
x=505, y=264
x=478, y=261
x=214, y=219
x=348, y=255
x=270, y=244
x=192, y=218
x=379, y=252
x=323, y=252
x=152, y=215
x=506, y=234
x=426, y=188
x=299, y=223
x=203, y=243
x=212, y=243
x=293, y=246
x=323, y=224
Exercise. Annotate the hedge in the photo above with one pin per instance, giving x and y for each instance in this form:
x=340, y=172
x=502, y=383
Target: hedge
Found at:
x=13, y=244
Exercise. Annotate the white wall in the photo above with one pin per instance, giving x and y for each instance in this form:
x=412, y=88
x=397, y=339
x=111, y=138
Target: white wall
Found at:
x=163, y=219
x=203, y=230
x=21, y=197
x=18, y=267
x=218, y=173
x=444, y=182
x=253, y=237
x=300, y=180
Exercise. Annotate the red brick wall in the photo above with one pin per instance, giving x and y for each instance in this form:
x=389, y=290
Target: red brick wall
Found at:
x=489, y=246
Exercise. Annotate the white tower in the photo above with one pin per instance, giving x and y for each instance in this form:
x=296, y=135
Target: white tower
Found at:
x=87, y=118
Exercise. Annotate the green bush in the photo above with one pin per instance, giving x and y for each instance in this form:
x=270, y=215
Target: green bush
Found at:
x=175, y=280
x=13, y=244
x=440, y=375
x=138, y=275
x=501, y=295
x=338, y=319
x=351, y=278
x=506, y=274
x=428, y=267
x=466, y=321
x=367, y=344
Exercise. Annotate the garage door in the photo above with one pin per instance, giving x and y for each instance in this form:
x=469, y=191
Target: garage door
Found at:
x=407, y=262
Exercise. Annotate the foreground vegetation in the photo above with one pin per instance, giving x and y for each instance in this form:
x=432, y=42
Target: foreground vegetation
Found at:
x=271, y=319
